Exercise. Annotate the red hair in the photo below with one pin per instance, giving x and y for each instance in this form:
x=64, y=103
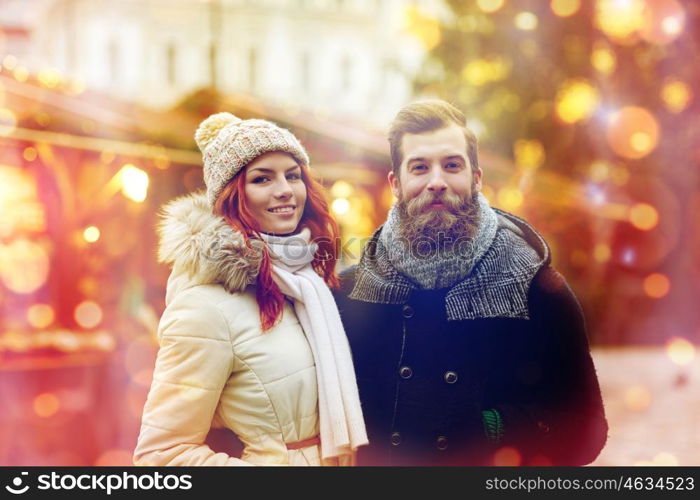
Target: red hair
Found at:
x=231, y=205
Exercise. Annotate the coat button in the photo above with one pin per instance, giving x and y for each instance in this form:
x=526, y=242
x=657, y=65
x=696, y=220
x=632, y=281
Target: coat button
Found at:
x=451, y=377
x=395, y=438
x=405, y=372
x=441, y=443
x=407, y=311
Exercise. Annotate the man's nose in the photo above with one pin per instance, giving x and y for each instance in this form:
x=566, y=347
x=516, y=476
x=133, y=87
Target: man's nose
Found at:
x=437, y=184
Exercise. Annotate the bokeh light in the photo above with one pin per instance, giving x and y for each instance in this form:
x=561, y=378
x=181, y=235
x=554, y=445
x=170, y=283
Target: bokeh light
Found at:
x=600, y=171
x=603, y=60
x=510, y=198
x=482, y=71
x=529, y=154
x=88, y=314
x=340, y=206
x=91, y=234
x=633, y=132
x=637, y=398
x=489, y=5
x=507, y=456
x=8, y=121
x=644, y=216
x=29, y=154
x=24, y=265
x=664, y=21
x=680, y=351
x=676, y=95
x=40, y=315
x=619, y=19
x=21, y=74
x=565, y=8
x=424, y=27
x=46, y=404
x=134, y=183
x=602, y=253
x=342, y=189
x=576, y=100
x=656, y=285
x=526, y=21
x=10, y=62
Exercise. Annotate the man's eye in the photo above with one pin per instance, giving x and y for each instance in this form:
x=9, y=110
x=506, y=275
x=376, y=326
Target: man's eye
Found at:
x=452, y=165
x=419, y=167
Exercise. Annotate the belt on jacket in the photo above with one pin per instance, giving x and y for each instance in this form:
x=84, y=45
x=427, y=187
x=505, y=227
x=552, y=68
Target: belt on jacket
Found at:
x=316, y=440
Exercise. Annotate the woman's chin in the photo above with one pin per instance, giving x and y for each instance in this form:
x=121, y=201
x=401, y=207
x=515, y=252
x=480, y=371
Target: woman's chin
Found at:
x=281, y=229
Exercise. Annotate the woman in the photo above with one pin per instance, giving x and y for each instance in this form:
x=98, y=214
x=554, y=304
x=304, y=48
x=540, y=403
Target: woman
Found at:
x=251, y=339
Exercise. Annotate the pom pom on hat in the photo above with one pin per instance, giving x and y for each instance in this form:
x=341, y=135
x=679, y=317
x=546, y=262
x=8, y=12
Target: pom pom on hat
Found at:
x=209, y=128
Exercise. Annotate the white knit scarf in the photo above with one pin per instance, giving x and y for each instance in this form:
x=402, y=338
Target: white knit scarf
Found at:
x=341, y=422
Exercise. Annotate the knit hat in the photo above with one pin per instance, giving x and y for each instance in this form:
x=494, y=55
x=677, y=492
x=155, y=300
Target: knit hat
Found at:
x=228, y=144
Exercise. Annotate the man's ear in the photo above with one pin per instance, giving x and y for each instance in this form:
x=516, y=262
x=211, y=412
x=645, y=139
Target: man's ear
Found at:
x=478, y=174
x=394, y=183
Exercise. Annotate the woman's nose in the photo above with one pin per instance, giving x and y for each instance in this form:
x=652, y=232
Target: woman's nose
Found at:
x=283, y=190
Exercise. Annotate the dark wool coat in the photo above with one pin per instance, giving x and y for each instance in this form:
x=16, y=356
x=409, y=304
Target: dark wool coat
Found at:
x=424, y=381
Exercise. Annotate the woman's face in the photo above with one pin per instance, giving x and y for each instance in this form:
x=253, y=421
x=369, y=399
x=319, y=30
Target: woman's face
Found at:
x=275, y=193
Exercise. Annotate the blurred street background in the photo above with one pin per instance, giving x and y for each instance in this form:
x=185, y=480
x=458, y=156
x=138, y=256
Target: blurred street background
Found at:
x=587, y=113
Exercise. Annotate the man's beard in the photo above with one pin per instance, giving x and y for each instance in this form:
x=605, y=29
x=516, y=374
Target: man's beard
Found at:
x=427, y=230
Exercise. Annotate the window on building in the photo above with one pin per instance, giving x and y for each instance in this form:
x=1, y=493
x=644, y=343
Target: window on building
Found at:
x=305, y=71
x=345, y=72
x=170, y=64
x=113, y=62
x=213, y=58
x=252, y=69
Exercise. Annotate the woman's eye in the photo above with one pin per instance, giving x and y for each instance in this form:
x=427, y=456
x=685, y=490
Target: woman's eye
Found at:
x=260, y=179
x=294, y=177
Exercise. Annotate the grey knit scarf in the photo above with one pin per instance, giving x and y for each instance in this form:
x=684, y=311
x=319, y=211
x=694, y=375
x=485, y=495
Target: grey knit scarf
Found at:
x=443, y=268
x=489, y=277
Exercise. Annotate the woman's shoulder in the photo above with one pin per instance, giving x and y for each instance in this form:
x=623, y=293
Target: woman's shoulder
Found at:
x=208, y=311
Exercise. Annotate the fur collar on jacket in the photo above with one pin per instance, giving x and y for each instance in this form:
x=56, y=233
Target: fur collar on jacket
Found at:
x=202, y=248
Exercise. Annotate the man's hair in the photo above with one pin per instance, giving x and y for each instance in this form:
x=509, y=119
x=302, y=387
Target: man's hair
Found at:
x=426, y=116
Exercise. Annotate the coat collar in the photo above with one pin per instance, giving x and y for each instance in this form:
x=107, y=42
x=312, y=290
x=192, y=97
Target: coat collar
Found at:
x=202, y=248
x=497, y=286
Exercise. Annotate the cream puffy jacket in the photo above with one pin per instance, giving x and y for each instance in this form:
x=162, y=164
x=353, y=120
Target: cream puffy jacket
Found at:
x=215, y=367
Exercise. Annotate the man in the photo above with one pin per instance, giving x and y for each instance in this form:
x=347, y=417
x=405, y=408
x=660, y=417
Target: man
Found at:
x=469, y=348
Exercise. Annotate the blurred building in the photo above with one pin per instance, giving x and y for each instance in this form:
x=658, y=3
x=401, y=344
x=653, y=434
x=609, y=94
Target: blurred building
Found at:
x=348, y=57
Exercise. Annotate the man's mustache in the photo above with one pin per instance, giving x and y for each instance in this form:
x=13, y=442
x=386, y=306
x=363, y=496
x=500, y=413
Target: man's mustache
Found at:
x=420, y=204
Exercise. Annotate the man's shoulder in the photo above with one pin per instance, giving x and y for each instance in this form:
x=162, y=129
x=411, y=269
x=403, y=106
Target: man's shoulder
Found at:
x=550, y=289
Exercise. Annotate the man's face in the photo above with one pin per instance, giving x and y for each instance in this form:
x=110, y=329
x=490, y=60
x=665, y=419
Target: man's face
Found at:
x=435, y=164
x=436, y=190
